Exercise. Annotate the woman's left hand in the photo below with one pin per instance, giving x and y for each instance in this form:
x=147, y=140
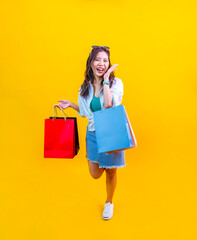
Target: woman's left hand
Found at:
x=111, y=69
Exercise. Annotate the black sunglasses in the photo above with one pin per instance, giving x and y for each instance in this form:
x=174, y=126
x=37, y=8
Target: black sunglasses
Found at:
x=100, y=46
x=107, y=48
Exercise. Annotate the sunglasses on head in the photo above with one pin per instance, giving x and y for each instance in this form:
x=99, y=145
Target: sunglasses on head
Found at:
x=99, y=47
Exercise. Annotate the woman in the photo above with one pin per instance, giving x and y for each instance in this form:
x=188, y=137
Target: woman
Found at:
x=100, y=90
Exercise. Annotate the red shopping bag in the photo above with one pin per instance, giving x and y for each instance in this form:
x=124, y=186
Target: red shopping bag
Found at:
x=61, y=137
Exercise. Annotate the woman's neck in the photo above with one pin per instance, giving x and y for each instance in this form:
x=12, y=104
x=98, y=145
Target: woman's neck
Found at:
x=97, y=81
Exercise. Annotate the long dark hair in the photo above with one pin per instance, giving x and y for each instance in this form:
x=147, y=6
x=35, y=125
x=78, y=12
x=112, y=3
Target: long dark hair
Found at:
x=89, y=75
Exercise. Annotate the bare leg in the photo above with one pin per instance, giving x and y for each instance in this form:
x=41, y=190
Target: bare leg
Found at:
x=94, y=169
x=111, y=181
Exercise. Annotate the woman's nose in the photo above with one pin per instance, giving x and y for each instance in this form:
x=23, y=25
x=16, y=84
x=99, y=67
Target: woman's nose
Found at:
x=101, y=62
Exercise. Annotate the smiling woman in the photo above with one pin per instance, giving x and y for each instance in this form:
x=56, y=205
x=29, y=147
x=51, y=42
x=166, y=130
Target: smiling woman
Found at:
x=100, y=64
x=99, y=58
x=100, y=90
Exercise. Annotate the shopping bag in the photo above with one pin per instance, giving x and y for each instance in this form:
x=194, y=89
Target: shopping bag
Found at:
x=60, y=136
x=113, y=130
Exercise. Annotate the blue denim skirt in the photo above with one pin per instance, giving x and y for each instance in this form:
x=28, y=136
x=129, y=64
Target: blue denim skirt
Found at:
x=112, y=160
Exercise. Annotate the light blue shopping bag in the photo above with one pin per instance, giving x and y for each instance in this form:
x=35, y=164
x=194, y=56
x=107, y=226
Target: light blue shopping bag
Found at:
x=113, y=130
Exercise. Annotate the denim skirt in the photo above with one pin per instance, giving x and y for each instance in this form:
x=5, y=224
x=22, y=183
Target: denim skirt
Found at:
x=112, y=160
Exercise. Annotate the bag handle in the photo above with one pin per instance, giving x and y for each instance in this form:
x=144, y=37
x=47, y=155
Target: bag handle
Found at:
x=55, y=112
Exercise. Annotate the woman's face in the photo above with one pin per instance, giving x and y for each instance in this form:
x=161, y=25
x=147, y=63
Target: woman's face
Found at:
x=100, y=64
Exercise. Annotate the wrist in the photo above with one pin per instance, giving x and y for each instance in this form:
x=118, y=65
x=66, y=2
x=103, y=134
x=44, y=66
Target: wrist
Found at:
x=106, y=79
x=70, y=104
x=106, y=82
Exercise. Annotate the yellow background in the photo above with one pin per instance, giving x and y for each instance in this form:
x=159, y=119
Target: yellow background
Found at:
x=44, y=46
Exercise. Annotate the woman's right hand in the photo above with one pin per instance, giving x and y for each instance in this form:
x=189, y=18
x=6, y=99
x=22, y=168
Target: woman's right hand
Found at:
x=63, y=104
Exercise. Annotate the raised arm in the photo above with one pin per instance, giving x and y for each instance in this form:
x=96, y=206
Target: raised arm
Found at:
x=107, y=93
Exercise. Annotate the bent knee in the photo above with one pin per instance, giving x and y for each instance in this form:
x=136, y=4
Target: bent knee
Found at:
x=96, y=175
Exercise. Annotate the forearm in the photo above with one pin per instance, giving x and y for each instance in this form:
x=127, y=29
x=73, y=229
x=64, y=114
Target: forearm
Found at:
x=107, y=96
x=74, y=106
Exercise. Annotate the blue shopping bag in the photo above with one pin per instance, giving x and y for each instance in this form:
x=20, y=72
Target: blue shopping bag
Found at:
x=113, y=130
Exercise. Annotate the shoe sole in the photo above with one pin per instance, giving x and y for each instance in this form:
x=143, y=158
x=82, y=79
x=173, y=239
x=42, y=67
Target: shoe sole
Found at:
x=107, y=218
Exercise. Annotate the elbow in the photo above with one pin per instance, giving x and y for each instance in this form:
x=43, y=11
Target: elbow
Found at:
x=108, y=105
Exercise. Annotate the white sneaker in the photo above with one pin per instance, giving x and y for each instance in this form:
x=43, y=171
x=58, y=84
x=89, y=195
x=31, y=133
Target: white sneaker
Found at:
x=108, y=210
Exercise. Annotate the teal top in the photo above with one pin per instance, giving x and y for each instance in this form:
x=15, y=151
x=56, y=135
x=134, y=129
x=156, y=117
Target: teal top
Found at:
x=95, y=104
